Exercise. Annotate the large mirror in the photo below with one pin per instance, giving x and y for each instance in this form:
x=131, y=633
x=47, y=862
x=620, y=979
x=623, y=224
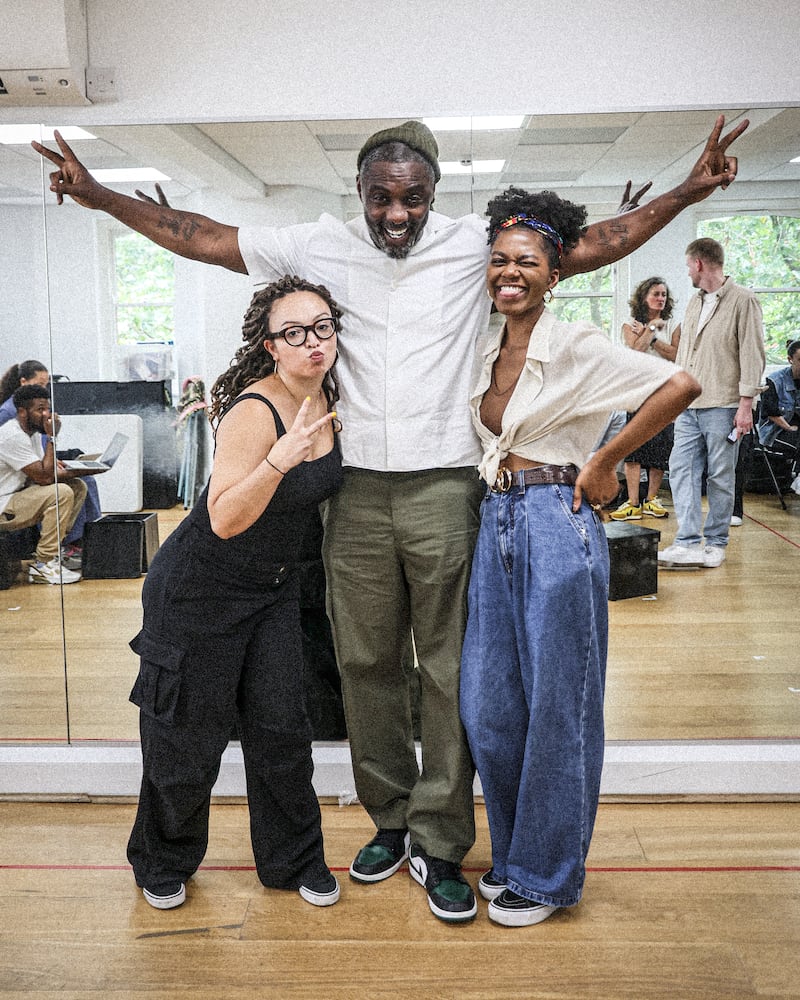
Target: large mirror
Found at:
x=67, y=669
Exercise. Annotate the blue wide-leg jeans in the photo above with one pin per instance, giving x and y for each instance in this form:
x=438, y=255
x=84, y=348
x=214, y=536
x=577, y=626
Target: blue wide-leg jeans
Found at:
x=532, y=682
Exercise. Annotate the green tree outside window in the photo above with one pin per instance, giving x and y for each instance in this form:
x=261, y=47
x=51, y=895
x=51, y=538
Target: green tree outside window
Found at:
x=587, y=297
x=144, y=291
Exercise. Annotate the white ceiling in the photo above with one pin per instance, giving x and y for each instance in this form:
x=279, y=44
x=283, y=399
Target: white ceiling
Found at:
x=586, y=157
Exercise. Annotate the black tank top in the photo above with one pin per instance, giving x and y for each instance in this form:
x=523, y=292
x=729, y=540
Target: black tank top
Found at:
x=279, y=539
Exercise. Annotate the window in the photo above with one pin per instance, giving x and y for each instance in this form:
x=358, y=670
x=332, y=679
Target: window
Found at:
x=588, y=297
x=144, y=290
x=762, y=252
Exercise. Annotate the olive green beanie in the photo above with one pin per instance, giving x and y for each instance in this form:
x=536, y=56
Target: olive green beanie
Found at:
x=413, y=134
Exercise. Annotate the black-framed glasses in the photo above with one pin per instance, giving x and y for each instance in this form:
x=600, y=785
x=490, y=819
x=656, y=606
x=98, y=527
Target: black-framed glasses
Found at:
x=295, y=336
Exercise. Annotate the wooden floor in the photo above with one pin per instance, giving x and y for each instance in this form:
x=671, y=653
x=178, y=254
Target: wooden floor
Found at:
x=683, y=901
x=714, y=655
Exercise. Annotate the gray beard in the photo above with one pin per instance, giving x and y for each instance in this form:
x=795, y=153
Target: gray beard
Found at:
x=396, y=253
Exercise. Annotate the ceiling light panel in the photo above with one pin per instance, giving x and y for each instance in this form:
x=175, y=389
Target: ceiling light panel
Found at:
x=20, y=135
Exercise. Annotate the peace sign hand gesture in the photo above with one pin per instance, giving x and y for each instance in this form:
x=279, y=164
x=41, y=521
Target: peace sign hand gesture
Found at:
x=71, y=177
x=714, y=168
x=297, y=443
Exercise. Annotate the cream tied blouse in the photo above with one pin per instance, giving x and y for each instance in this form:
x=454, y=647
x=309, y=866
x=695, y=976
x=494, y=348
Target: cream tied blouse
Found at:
x=573, y=377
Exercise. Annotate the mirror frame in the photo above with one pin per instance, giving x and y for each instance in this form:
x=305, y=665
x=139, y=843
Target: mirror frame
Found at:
x=697, y=767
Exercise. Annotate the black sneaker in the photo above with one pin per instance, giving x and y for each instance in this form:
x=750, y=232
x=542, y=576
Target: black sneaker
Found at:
x=512, y=910
x=489, y=885
x=320, y=888
x=449, y=894
x=165, y=895
x=381, y=857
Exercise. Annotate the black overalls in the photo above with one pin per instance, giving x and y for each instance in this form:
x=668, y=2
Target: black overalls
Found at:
x=221, y=648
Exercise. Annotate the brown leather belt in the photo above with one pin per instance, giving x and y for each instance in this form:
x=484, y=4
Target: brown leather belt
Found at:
x=540, y=475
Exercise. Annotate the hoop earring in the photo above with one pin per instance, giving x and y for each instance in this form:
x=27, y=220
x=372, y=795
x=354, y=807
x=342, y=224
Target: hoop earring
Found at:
x=545, y=298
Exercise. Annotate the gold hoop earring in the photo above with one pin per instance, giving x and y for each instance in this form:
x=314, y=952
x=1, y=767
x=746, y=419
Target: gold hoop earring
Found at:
x=550, y=293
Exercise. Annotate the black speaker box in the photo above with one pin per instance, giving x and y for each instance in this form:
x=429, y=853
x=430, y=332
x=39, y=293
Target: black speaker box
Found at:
x=119, y=546
x=633, y=551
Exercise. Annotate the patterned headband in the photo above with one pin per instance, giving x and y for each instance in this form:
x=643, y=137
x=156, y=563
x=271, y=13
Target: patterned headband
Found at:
x=540, y=227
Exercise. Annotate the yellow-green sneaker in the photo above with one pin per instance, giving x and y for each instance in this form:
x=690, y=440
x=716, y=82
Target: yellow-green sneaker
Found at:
x=652, y=507
x=626, y=512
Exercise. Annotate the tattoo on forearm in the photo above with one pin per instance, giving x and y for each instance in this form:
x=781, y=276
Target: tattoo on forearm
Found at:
x=171, y=222
x=613, y=234
x=184, y=229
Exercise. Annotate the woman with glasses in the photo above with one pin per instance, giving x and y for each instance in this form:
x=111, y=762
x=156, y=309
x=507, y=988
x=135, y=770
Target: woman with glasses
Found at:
x=221, y=647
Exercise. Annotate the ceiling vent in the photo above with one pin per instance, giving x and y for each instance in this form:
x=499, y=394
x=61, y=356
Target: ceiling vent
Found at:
x=43, y=53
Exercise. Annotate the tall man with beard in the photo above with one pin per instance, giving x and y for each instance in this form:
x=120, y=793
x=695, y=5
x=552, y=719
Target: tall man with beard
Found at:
x=399, y=535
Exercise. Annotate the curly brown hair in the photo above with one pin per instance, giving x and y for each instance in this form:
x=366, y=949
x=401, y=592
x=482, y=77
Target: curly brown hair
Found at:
x=639, y=310
x=567, y=218
x=252, y=362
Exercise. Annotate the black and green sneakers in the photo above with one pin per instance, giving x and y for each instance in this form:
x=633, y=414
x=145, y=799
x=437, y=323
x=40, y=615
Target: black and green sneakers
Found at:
x=381, y=857
x=450, y=896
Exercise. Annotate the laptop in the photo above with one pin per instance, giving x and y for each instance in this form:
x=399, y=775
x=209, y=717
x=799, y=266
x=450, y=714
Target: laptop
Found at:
x=103, y=462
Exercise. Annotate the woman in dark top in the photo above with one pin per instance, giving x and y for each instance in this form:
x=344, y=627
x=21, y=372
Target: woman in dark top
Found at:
x=221, y=644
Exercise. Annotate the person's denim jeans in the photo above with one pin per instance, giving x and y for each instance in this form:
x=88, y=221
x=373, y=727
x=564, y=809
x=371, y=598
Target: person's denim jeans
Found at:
x=700, y=441
x=532, y=680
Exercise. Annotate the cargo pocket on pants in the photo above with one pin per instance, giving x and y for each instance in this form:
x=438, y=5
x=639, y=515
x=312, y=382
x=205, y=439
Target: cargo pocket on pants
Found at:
x=157, y=688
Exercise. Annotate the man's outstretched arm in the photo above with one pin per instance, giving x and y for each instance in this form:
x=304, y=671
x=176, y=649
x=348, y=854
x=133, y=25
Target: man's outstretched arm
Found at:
x=610, y=240
x=185, y=233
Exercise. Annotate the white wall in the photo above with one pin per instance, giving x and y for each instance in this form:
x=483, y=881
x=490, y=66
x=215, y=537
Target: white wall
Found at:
x=192, y=60
x=23, y=313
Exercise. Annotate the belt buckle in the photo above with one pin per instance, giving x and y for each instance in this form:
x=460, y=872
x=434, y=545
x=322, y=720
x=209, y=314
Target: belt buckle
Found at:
x=503, y=481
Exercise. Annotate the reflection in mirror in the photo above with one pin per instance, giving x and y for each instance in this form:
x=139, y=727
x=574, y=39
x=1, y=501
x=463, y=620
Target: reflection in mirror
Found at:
x=282, y=173
x=33, y=682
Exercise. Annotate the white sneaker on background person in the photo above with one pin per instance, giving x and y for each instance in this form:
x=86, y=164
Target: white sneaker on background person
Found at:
x=736, y=521
x=51, y=572
x=683, y=555
x=714, y=556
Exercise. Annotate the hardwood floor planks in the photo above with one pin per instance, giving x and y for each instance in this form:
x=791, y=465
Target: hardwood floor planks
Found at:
x=683, y=900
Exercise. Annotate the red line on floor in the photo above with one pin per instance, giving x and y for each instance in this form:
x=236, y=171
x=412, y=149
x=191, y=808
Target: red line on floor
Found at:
x=755, y=520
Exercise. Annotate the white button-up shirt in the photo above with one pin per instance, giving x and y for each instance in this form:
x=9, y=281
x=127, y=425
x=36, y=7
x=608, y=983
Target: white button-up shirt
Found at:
x=409, y=336
x=573, y=377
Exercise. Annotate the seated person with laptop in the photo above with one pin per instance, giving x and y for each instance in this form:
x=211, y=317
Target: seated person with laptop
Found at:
x=32, y=372
x=35, y=487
